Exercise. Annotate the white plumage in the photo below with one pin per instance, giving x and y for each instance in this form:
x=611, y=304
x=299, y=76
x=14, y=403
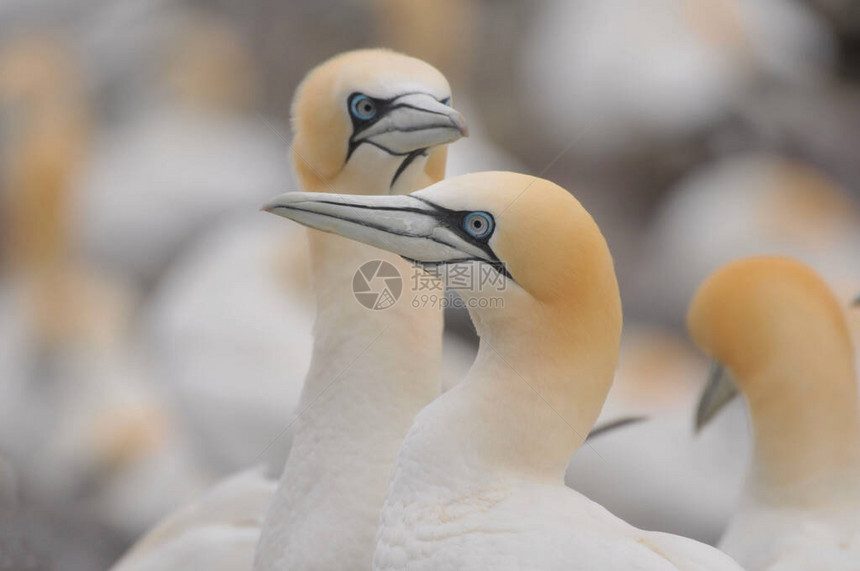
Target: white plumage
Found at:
x=217, y=531
x=231, y=324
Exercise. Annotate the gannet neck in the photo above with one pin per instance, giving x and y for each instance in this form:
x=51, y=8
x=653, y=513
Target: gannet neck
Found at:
x=371, y=372
x=807, y=436
x=537, y=385
x=370, y=173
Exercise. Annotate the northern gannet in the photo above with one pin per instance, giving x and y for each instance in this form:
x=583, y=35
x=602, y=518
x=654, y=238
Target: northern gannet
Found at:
x=479, y=480
x=780, y=338
x=365, y=122
x=745, y=204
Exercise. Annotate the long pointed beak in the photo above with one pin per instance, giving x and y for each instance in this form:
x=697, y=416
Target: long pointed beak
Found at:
x=613, y=425
x=411, y=227
x=415, y=121
x=719, y=392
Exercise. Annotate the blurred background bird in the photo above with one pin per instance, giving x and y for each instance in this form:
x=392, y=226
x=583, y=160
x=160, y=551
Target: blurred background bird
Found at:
x=779, y=338
x=694, y=132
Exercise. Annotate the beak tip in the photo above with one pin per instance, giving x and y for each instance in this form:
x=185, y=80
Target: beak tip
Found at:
x=275, y=206
x=462, y=126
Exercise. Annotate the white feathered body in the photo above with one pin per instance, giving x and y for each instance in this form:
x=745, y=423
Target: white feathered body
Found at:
x=217, y=532
x=507, y=525
x=445, y=510
x=780, y=538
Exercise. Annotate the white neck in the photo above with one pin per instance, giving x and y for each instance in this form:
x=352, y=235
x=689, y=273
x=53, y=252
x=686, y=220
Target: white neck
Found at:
x=371, y=372
x=532, y=395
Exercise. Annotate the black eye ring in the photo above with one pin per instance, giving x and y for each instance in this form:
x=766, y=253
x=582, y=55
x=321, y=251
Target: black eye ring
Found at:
x=478, y=224
x=446, y=101
x=362, y=107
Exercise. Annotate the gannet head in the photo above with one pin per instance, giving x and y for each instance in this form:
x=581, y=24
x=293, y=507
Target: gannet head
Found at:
x=525, y=229
x=364, y=118
x=776, y=332
x=559, y=283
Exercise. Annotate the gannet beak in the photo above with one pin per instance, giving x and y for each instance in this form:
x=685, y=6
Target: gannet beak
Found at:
x=613, y=425
x=414, y=121
x=719, y=391
x=412, y=227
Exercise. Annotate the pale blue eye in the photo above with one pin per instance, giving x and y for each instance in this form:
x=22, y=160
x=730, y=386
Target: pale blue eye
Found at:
x=362, y=107
x=478, y=224
x=446, y=101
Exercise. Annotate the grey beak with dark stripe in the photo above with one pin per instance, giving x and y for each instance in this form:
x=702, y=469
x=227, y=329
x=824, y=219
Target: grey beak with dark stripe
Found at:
x=719, y=392
x=415, y=121
x=411, y=227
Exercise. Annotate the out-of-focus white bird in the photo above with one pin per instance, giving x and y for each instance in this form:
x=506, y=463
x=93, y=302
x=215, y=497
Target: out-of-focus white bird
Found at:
x=779, y=337
x=77, y=414
x=479, y=479
x=609, y=75
x=191, y=154
x=232, y=323
x=743, y=206
x=657, y=474
x=366, y=122
x=217, y=531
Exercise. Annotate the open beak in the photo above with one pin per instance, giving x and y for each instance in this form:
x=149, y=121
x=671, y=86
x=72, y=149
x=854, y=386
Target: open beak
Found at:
x=719, y=392
x=414, y=121
x=412, y=227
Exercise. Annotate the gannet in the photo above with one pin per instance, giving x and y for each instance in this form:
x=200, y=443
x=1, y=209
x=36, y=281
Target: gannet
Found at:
x=779, y=336
x=742, y=205
x=478, y=482
x=365, y=122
